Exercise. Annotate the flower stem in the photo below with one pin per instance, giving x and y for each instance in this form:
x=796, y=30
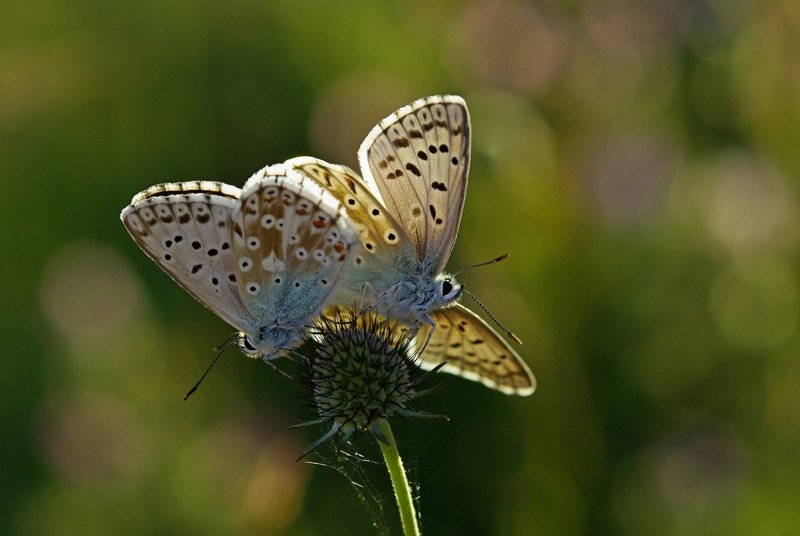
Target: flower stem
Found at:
x=402, y=491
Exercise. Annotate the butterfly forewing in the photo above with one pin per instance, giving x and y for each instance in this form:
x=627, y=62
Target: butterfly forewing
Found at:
x=185, y=228
x=471, y=348
x=291, y=241
x=418, y=160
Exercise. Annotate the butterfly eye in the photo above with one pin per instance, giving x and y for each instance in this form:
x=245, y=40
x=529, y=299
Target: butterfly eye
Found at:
x=248, y=345
x=447, y=287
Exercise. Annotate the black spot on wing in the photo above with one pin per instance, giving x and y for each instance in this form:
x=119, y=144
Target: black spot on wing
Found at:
x=413, y=169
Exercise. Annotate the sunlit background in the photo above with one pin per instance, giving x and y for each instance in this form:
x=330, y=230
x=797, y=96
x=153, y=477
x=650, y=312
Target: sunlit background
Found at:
x=638, y=160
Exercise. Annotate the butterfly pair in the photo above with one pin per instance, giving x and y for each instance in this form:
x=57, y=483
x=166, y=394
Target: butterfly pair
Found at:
x=305, y=235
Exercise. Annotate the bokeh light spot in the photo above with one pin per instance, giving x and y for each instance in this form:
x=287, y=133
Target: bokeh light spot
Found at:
x=756, y=305
x=89, y=293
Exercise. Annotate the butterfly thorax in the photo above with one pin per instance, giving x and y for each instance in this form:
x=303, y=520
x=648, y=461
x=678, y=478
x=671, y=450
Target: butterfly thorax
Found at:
x=271, y=341
x=413, y=297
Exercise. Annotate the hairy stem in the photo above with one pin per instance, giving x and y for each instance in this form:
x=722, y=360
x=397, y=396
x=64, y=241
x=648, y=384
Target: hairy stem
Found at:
x=402, y=491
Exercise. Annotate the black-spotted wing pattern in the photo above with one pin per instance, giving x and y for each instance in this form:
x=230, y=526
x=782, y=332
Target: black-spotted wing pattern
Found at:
x=185, y=228
x=291, y=242
x=471, y=348
x=418, y=160
x=265, y=259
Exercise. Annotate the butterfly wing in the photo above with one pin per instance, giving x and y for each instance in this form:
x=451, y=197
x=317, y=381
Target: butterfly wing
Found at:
x=417, y=159
x=469, y=347
x=291, y=241
x=382, y=236
x=185, y=228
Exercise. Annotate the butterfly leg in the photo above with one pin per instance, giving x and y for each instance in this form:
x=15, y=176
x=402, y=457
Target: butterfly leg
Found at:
x=373, y=291
x=393, y=290
x=363, y=298
x=269, y=361
x=428, y=319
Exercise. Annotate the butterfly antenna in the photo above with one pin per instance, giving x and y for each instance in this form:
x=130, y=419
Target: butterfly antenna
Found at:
x=220, y=350
x=502, y=257
x=496, y=321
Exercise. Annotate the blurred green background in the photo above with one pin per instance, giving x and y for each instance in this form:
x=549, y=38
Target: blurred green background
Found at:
x=638, y=160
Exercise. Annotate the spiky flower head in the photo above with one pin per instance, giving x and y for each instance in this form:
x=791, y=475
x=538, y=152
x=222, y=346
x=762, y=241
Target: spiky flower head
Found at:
x=359, y=369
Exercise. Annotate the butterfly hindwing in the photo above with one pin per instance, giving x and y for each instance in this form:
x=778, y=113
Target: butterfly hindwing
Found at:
x=184, y=227
x=291, y=241
x=383, y=239
x=418, y=160
x=469, y=347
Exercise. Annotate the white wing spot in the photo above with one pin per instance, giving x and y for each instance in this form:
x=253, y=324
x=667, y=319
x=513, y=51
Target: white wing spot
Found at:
x=288, y=198
x=253, y=243
x=267, y=221
x=253, y=288
x=245, y=263
x=272, y=263
x=332, y=236
x=220, y=214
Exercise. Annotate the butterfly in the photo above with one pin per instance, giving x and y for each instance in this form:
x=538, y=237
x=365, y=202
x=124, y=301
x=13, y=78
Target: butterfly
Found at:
x=266, y=258
x=407, y=210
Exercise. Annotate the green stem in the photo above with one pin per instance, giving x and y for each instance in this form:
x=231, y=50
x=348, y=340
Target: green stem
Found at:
x=402, y=491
